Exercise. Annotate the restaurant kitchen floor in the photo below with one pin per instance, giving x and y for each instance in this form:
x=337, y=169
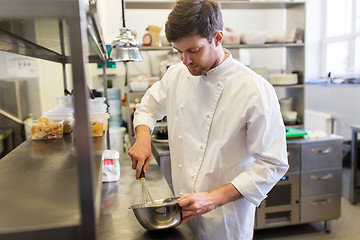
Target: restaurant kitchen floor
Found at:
x=347, y=227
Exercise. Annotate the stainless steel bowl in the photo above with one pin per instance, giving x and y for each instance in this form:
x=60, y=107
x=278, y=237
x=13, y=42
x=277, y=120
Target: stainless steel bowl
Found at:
x=161, y=214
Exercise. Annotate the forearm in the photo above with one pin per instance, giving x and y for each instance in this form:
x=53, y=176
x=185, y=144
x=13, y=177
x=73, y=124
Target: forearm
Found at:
x=140, y=152
x=143, y=133
x=196, y=204
x=225, y=194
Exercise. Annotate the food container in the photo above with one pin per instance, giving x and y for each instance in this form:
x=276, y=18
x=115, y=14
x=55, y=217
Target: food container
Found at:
x=46, y=130
x=65, y=114
x=290, y=117
x=64, y=101
x=139, y=86
x=97, y=101
x=161, y=214
x=98, y=108
x=231, y=38
x=254, y=37
x=99, y=124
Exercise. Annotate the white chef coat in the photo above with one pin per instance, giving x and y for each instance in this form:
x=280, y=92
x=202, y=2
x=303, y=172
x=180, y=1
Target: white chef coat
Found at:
x=223, y=127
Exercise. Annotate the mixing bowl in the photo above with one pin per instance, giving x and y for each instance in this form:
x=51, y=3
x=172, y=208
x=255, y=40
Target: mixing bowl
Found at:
x=161, y=214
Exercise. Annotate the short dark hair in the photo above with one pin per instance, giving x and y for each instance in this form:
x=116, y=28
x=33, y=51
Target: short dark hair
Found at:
x=194, y=17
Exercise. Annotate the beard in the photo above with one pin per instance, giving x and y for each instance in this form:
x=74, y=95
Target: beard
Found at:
x=198, y=69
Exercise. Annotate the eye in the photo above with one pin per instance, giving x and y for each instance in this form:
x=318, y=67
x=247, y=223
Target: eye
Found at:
x=195, y=50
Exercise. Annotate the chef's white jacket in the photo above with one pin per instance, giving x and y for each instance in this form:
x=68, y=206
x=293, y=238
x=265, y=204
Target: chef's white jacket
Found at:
x=224, y=127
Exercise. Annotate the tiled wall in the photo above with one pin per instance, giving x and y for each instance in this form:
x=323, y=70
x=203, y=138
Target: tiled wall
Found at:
x=342, y=101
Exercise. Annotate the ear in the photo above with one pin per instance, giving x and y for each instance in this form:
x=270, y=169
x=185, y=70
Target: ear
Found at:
x=219, y=36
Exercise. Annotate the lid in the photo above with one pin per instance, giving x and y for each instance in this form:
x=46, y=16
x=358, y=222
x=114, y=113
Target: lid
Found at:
x=59, y=113
x=99, y=117
x=96, y=101
x=97, y=108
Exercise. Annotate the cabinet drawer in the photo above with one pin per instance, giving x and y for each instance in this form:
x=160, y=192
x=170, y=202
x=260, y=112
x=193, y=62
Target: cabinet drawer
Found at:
x=321, y=182
x=293, y=152
x=319, y=208
x=322, y=155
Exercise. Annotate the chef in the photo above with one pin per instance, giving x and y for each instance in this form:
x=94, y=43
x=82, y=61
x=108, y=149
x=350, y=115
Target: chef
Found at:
x=226, y=134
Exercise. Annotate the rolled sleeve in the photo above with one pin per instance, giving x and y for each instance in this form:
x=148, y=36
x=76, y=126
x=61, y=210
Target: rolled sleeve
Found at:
x=248, y=188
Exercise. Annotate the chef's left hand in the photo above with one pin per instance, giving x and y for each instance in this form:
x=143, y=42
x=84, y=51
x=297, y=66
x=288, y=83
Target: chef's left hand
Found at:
x=196, y=204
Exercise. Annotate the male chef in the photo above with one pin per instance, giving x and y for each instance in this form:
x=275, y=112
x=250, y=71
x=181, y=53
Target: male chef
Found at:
x=226, y=134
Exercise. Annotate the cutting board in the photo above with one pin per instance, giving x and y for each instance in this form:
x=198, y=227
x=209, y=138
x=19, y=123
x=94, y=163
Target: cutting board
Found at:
x=294, y=132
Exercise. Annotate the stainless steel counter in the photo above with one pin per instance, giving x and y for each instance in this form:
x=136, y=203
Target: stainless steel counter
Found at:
x=119, y=222
x=39, y=197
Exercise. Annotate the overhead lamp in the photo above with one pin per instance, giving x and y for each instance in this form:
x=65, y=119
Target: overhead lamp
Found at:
x=125, y=48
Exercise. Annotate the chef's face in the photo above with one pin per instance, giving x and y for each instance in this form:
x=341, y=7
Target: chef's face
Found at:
x=196, y=53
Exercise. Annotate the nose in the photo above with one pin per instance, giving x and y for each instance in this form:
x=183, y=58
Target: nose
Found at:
x=186, y=59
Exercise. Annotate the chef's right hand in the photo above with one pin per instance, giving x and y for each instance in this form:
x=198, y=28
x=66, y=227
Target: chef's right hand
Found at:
x=140, y=152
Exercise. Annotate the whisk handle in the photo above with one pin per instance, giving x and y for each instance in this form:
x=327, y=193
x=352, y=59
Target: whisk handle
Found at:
x=142, y=174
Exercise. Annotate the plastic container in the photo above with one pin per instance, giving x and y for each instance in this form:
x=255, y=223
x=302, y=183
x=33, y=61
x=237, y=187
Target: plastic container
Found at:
x=64, y=102
x=115, y=121
x=97, y=101
x=139, y=86
x=65, y=114
x=99, y=124
x=110, y=166
x=290, y=117
x=41, y=130
x=117, y=139
x=98, y=108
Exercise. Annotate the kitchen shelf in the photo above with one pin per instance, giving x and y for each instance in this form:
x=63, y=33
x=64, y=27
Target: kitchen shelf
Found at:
x=19, y=37
x=289, y=86
x=63, y=32
x=295, y=13
x=237, y=46
x=166, y=4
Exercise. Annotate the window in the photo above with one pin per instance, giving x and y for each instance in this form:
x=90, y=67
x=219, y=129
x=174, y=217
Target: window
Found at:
x=342, y=36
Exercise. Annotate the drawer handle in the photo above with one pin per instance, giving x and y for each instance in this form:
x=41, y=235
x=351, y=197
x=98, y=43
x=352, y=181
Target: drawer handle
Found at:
x=320, y=202
x=322, y=151
x=324, y=177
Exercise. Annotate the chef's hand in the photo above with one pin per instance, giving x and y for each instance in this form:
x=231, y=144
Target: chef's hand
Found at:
x=196, y=204
x=140, y=152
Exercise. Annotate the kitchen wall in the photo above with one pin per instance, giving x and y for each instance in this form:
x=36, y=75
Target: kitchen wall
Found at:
x=342, y=101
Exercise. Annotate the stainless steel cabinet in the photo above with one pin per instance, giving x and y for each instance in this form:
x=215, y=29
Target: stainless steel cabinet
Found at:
x=311, y=189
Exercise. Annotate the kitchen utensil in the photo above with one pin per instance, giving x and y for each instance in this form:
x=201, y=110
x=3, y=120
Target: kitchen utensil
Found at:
x=161, y=214
x=146, y=196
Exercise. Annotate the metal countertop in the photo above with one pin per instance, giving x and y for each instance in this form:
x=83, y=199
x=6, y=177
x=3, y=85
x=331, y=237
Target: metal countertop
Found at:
x=118, y=222
x=39, y=189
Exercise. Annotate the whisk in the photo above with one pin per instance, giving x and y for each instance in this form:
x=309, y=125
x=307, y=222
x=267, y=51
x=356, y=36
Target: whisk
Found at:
x=146, y=196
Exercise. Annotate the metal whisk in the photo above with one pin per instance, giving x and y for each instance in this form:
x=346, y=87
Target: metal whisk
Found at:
x=146, y=196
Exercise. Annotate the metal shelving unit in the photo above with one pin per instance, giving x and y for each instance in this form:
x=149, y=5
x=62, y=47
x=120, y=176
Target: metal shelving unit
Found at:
x=295, y=12
x=79, y=42
x=225, y=4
